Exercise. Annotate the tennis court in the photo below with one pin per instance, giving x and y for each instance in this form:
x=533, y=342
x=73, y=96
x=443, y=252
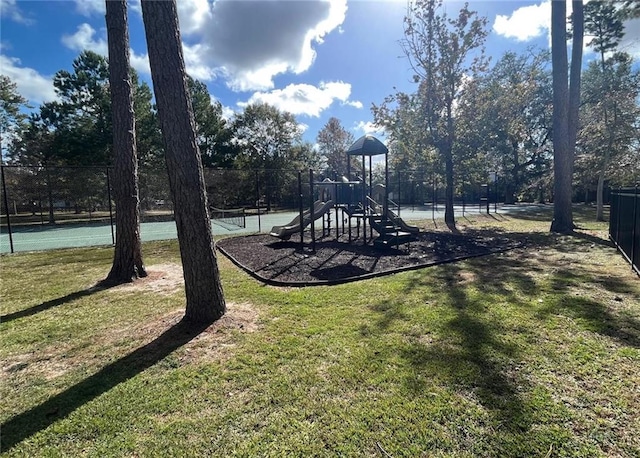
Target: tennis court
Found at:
x=37, y=237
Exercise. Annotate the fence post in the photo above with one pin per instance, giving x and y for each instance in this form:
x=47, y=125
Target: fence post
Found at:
x=113, y=239
x=635, y=227
x=258, y=200
x=313, y=215
x=618, y=202
x=301, y=210
x=495, y=202
x=6, y=207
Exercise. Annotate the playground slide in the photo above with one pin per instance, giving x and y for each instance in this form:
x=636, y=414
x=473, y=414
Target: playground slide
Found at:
x=401, y=223
x=285, y=232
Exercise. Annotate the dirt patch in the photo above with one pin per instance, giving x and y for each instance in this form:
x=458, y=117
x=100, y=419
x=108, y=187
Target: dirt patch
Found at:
x=213, y=343
x=283, y=263
x=217, y=341
x=161, y=278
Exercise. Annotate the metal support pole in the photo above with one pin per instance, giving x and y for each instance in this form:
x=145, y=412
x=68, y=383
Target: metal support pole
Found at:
x=433, y=193
x=495, y=202
x=258, y=201
x=313, y=213
x=463, y=201
x=365, y=203
x=6, y=207
x=301, y=209
x=398, y=197
x=488, y=193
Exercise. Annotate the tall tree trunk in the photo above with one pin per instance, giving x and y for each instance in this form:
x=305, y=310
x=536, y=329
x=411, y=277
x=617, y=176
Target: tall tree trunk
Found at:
x=562, y=160
x=575, y=81
x=127, y=259
x=607, y=152
x=575, y=76
x=449, y=215
x=203, y=289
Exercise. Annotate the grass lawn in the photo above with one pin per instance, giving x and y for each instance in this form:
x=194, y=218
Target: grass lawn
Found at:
x=533, y=352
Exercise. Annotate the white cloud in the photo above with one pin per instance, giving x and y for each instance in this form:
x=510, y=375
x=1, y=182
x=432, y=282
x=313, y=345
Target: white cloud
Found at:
x=140, y=62
x=85, y=39
x=631, y=41
x=193, y=15
x=228, y=113
x=368, y=128
x=252, y=41
x=90, y=7
x=31, y=85
x=354, y=103
x=304, y=99
x=525, y=23
x=249, y=42
x=9, y=9
x=194, y=64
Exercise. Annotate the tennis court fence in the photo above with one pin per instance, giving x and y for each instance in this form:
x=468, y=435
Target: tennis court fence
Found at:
x=44, y=198
x=624, y=224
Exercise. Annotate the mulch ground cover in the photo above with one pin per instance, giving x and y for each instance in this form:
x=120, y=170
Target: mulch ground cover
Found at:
x=290, y=263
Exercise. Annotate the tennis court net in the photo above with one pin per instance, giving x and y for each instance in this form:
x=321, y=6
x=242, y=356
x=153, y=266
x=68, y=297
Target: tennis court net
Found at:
x=230, y=218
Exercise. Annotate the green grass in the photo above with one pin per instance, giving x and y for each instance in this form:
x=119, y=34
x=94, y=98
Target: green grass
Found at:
x=527, y=353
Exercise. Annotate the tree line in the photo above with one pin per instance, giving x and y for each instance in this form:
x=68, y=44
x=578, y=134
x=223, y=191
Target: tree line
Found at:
x=77, y=130
x=468, y=118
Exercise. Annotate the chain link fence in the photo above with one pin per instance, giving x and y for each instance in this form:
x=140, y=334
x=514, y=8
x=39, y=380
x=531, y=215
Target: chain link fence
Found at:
x=42, y=200
x=624, y=224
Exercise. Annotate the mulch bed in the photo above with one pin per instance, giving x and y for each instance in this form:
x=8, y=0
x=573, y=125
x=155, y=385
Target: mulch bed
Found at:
x=287, y=263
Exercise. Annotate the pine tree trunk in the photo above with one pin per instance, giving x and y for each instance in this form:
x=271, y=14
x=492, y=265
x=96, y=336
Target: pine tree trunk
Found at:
x=203, y=289
x=127, y=259
x=449, y=215
x=562, y=163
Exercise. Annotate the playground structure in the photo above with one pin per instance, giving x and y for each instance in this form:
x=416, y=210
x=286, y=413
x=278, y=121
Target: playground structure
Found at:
x=358, y=204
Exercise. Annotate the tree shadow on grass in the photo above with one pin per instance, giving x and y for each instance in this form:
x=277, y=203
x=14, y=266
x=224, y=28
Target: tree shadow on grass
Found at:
x=595, y=317
x=467, y=352
x=470, y=354
x=28, y=423
x=53, y=303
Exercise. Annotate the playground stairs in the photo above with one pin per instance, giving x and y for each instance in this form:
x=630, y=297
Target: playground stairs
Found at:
x=391, y=234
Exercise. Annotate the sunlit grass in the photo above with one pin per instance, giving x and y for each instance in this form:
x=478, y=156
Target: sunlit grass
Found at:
x=532, y=352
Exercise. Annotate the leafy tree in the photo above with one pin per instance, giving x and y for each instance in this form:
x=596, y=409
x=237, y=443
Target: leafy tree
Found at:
x=333, y=141
x=82, y=118
x=604, y=24
x=566, y=100
x=203, y=288
x=415, y=161
x=507, y=114
x=609, y=124
x=266, y=139
x=127, y=259
x=440, y=50
x=152, y=176
x=214, y=136
x=12, y=120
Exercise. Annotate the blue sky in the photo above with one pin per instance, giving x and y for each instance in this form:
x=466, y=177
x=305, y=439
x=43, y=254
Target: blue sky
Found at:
x=314, y=58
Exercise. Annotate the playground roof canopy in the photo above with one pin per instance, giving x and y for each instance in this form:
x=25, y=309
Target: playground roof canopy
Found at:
x=367, y=145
